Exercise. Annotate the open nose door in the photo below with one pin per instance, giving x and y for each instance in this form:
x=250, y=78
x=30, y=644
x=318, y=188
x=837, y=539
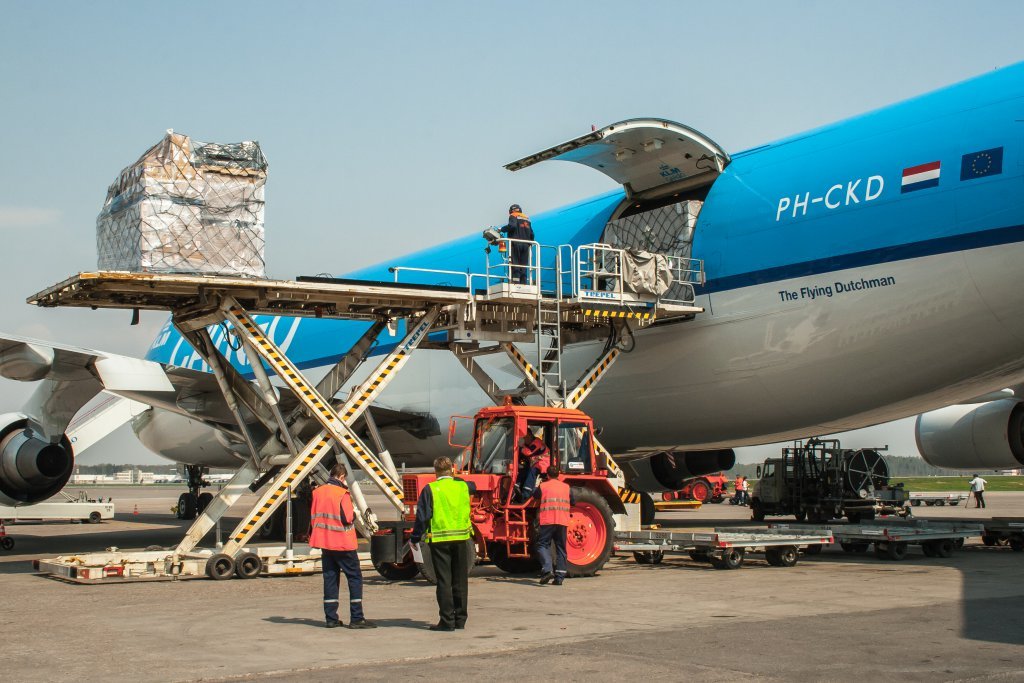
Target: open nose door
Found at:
x=649, y=157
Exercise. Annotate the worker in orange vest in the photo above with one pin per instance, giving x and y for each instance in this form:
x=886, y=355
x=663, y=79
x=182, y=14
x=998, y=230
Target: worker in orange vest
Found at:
x=556, y=499
x=332, y=530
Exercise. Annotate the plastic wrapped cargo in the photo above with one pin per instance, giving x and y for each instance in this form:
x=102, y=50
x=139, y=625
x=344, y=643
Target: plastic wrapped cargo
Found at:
x=187, y=207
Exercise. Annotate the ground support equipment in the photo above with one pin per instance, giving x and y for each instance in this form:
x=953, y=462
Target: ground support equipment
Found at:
x=1004, y=531
x=940, y=499
x=453, y=318
x=722, y=548
x=892, y=538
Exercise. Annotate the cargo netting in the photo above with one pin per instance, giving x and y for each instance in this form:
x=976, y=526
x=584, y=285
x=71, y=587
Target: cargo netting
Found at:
x=187, y=207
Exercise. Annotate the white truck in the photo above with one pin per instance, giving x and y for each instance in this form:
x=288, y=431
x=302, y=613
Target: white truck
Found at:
x=75, y=509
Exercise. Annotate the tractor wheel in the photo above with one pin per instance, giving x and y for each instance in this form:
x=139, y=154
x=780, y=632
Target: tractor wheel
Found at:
x=498, y=554
x=7, y=543
x=187, y=503
x=700, y=490
x=220, y=567
x=756, y=511
x=590, y=534
x=781, y=556
x=647, y=511
x=731, y=558
x=648, y=556
x=204, y=499
x=248, y=566
x=427, y=566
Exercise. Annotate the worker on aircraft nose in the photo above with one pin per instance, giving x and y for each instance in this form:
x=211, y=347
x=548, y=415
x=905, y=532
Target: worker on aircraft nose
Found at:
x=519, y=228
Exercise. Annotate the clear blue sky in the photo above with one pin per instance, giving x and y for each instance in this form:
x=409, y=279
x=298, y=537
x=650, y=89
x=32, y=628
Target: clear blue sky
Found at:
x=386, y=124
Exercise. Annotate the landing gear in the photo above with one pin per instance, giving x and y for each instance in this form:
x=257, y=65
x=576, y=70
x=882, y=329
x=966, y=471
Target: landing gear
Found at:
x=192, y=503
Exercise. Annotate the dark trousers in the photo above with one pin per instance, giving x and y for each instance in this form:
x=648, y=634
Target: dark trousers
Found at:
x=520, y=259
x=451, y=566
x=335, y=563
x=979, y=499
x=546, y=534
x=527, y=483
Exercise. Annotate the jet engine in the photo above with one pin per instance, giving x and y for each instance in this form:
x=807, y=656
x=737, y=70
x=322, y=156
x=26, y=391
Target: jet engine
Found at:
x=668, y=470
x=31, y=469
x=973, y=437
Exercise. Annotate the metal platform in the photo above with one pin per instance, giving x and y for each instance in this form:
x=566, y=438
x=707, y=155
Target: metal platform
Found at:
x=723, y=548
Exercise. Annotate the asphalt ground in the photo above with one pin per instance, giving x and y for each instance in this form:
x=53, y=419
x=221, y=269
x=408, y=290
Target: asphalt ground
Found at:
x=833, y=617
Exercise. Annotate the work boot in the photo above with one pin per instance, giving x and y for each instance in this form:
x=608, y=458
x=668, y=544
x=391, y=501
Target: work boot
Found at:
x=362, y=623
x=333, y=623
x=544, y=580
x=558, y=581
x=441, y=627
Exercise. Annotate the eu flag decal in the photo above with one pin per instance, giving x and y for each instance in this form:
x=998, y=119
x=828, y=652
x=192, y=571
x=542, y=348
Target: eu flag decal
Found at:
x=980, y=164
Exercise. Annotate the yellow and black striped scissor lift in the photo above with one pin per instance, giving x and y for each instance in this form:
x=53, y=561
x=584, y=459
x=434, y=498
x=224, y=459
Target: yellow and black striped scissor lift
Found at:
x=454, y=318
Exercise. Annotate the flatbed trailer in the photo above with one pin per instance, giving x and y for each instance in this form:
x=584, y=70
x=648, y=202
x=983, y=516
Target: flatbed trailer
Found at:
x=1007, y=531
x=892, y=538
x=723, y=548
x=940, y=499
x=93, y=513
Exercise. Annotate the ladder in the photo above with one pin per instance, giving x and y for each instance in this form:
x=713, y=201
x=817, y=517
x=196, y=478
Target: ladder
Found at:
x=549, y=354
x=518, y=538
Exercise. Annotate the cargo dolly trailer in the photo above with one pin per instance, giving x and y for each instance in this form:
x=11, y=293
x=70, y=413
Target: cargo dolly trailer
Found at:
x=892, y=538
x=724, y=549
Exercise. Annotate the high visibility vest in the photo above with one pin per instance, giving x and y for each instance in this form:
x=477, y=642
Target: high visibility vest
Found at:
x=329, y=532
x=450, y=518
x=554, y=503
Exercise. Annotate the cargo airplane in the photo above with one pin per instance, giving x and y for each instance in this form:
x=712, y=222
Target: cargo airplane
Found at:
x=858, y=273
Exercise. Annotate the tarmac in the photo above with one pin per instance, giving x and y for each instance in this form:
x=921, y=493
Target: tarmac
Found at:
x=833, y=617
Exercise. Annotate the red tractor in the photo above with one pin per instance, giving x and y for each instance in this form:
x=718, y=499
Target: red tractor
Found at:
x=505, y=528
x=711, y=488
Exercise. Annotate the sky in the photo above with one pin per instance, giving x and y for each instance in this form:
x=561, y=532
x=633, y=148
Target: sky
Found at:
x=386, y=125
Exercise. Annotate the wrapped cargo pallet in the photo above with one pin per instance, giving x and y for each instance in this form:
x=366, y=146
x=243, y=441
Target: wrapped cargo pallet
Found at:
x=187, y=207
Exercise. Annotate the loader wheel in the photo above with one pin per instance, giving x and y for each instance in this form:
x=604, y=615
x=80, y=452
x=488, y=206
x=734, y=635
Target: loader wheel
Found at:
x=7, y=543
x=731, y=558
x=248, y=566
x=220, y=567
x=781, y=556
x=590, y=534
x=647, y=511
x=648, y=556
x=700, y=490
x=756, y=511
x=800, y=515
x=427, y=566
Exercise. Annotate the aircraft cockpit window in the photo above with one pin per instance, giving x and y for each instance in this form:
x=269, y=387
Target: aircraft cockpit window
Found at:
x=494, y=446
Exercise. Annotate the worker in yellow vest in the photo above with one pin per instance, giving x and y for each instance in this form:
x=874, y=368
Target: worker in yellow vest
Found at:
x=332, y=530
x=556, y=500
x=442, y=519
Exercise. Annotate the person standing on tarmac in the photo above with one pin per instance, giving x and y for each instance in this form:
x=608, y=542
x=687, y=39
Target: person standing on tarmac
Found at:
x=332, y=529
x=978, y=489
x=556, y=499
x=519, y=228
x=442, y=517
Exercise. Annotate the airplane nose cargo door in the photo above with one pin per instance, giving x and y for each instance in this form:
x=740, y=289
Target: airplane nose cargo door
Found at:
x=650, y=158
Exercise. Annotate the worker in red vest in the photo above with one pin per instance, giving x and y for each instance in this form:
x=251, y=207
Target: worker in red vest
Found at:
x=332, y=529
x=534, y=457
x=556, y=499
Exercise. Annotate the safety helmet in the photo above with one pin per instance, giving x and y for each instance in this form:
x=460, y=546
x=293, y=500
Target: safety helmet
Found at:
x=514, y=208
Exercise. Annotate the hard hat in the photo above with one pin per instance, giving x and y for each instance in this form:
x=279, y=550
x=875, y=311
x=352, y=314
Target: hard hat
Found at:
x=514, y=208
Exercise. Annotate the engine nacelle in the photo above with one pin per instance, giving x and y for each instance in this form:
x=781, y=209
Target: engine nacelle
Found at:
x=988, y=436
x=31, y=469
x=668, y=470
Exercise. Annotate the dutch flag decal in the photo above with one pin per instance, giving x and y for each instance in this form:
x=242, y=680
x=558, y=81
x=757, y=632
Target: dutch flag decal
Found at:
x=921, y=177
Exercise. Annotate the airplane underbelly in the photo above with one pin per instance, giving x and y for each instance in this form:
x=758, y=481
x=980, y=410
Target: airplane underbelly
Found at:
x=824, y=353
